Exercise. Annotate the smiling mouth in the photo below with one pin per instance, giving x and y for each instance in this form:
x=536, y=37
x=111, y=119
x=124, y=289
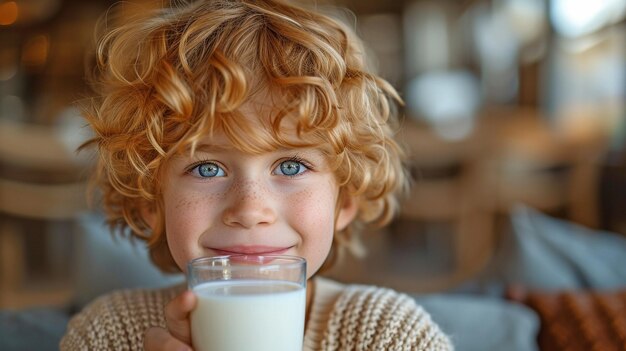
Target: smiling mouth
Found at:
x=251, y=250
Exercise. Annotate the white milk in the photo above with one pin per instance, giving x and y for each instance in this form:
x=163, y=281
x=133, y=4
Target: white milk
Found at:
x=248, y=315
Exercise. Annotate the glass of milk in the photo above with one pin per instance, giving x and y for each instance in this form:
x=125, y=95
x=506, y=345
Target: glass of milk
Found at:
x=248, y=302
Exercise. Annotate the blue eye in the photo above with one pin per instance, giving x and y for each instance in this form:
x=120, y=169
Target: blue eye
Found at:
x=291, y=168
x=207, y=170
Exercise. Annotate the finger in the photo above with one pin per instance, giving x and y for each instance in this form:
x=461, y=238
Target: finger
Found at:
x=177, y=313
x=159, y=339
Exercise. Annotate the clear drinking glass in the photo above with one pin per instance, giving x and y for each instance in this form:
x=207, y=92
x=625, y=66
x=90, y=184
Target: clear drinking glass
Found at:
x=248, y=302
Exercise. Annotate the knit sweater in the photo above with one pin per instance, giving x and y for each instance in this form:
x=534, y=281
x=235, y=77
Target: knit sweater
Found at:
x=342, y=318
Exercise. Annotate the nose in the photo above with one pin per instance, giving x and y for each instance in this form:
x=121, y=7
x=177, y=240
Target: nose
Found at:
x=249, y=205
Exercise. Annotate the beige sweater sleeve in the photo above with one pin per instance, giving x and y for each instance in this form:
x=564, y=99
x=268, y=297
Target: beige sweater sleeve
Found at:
x=117, y=321
x=358, y=317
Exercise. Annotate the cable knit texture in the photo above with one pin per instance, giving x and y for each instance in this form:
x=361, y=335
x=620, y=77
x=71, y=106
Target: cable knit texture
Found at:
x=342, y=318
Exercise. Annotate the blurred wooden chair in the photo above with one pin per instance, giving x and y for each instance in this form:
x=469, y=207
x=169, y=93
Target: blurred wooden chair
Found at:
x=554, y=171
x=449, y=186
x=471, y=185
x=42, y=180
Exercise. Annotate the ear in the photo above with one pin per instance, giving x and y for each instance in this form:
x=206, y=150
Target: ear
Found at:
x=149, y=215
x=348, y=207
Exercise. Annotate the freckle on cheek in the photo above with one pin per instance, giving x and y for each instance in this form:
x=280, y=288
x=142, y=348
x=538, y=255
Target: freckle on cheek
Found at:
x=182, y=204
x=187, y=202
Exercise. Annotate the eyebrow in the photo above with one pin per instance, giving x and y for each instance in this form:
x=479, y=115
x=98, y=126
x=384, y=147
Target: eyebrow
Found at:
x=210, y=148
x=216, y=148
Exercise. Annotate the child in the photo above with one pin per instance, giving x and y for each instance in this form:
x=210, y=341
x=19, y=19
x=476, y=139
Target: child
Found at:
x=245, y=126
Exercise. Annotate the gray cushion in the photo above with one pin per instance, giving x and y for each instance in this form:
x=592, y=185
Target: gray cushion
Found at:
x=105, y=263
x=544, y=253
x=483, y=324
x=32, y=329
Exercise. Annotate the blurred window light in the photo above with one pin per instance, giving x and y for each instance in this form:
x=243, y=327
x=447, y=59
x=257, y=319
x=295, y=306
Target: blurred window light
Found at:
x=588, y=87
x=496, y=42
x=428, y=36
x=575, y=18
x=526, y=17
x=447, y=100
x=8, y=13
x=497, y=47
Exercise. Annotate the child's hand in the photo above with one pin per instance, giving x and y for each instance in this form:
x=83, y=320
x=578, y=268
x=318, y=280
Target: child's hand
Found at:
x=177, y=336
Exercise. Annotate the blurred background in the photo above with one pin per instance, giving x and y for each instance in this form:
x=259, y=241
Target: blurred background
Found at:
x=508, y=103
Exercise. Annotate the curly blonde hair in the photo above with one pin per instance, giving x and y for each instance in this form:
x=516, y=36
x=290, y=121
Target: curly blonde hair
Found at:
x=168, y=79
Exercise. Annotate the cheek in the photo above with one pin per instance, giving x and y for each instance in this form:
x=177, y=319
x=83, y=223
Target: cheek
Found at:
x=315, y=211
x=312, y=215
x=185, y=220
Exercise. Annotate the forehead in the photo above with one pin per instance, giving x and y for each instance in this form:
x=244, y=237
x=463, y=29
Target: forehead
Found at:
x=257, y=126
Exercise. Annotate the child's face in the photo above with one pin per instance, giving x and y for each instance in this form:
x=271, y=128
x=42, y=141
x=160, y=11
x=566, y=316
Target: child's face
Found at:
x=223, y=201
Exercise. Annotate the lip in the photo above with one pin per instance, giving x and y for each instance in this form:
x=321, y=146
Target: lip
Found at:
x=251, y=250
